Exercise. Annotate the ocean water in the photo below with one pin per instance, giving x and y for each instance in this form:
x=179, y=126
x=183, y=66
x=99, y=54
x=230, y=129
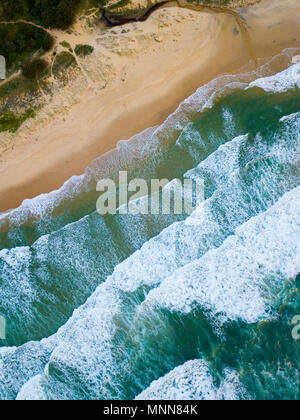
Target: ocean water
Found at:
x=173, y=306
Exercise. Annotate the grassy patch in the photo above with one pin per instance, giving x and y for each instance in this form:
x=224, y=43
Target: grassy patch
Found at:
x=63, y=61
x=49, y=13
x=120, y=3
x=20, y=41
x=59, y=14
x=66, y=45
x=11, y=122
x=16, y=89
x=83, y=50
x=34, y=69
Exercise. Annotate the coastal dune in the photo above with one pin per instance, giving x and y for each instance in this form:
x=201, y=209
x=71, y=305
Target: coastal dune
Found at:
x=152, y=67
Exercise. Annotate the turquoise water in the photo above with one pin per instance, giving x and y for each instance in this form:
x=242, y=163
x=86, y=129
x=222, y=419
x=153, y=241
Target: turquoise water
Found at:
x=123, y=307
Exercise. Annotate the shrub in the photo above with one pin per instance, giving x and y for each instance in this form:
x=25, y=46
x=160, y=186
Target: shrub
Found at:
x=11, y=122
x=63, y=61
x=51, y=13
x=66, y=45
x=83, y=50
x=58, y=13
x=19, y=41
x=47, y=42
x=33, y=69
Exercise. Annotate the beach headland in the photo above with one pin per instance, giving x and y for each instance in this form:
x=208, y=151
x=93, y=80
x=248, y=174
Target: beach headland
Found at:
x=137, y=75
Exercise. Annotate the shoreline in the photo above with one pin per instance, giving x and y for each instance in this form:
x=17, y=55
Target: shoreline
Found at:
x=154, y=80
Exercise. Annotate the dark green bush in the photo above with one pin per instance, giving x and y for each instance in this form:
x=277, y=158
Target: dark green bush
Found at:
x=19, y=41
x=35, y=68
x=58, y=13
x=48, y=42
x=63, y=61
x=50, y=13
x=11, y=122
x=83, y=50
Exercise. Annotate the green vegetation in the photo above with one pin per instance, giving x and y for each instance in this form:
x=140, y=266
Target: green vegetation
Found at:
x=11, y=122
x=15, y=95
x=19, y=41
x=120, y=3
x=49, y=13
x=62, y=63
x=35, y=68
x=66, y=45
x=15, y=89
x=27, y=88
x=213, y=2
x=83, y=50
x=57, y=14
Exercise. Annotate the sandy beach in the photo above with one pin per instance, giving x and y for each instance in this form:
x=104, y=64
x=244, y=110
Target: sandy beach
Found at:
x=161, y=62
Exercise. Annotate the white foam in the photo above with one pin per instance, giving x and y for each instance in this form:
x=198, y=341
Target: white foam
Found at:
x=175, y=246
x=19, y=364
x=213, y=166
x=32, y=390
x=194, y=380
x=280, y=82
x=56, y=274
x=242, y=278
x=218, y=287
